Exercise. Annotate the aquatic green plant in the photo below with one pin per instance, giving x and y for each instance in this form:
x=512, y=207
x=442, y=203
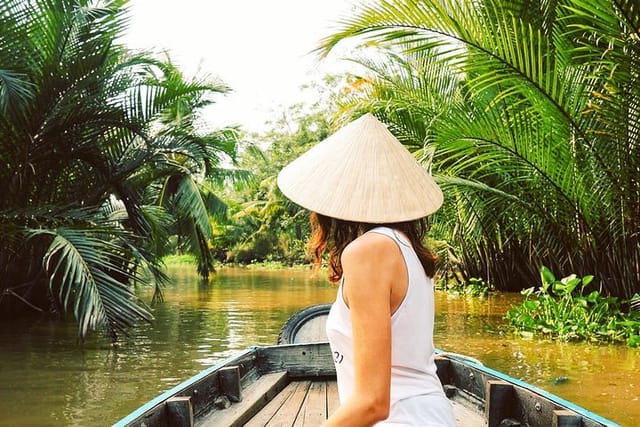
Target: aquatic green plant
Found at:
x=565, y=309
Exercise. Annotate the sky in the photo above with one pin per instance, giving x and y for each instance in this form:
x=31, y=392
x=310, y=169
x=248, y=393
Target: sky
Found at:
x=262, y=49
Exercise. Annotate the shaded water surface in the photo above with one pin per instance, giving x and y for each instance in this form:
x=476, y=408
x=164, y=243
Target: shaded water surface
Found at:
x=47, y=379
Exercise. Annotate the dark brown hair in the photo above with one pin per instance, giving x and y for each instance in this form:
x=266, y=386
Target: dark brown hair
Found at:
x=335, y=235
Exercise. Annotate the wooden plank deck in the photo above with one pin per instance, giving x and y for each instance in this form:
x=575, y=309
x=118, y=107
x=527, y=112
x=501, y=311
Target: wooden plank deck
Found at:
x=300, y=404
x=309, y=404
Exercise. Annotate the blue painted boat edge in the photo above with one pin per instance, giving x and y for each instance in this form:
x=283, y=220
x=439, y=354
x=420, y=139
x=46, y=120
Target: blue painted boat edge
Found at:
x=176, y=389
x=560, y=401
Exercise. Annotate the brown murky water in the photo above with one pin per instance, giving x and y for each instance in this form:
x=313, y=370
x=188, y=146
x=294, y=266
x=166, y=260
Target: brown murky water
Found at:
x=604, y=379
x=47, y=379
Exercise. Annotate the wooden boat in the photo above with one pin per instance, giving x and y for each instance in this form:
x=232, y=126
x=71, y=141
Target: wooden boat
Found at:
x=293, y=384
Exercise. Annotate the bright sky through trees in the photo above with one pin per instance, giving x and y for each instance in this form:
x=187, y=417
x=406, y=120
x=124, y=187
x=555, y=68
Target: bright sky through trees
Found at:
x=261, y=49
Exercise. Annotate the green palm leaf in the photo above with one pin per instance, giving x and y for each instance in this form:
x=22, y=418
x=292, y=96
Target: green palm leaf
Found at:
x=88, y=136
x=81, y=269
x=15, y=91
x=534, y=134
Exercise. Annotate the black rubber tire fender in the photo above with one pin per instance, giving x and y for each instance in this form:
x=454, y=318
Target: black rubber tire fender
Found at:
x=298, y=319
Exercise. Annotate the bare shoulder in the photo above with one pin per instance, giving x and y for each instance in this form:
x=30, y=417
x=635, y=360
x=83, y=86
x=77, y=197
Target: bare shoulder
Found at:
x=371, y=266
x=370, y=248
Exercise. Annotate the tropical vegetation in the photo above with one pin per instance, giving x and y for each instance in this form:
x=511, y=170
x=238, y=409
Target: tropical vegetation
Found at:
x=261, y=225
x=527, y=112
x=104, y=165
x=473, y=288
x=561, y=309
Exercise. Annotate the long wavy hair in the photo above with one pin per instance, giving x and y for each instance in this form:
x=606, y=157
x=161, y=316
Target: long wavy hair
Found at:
x=334, y=235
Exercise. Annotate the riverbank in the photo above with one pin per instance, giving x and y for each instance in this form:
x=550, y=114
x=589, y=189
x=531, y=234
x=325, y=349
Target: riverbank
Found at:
x=186, y=259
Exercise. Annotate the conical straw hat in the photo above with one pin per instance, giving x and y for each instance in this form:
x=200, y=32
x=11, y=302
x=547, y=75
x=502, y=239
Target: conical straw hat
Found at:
x=361, y=173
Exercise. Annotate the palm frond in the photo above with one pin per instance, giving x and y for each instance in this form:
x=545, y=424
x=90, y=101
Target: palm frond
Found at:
x=84, y=152
x=90, y=276
x=535, y=131
x=15, y=91
x=189, y=203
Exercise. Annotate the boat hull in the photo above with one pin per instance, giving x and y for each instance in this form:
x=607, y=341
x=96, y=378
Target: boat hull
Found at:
x=293, y=384
x=226, y=394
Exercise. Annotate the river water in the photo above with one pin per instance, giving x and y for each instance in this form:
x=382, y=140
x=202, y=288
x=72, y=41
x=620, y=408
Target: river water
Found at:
x=48, y=379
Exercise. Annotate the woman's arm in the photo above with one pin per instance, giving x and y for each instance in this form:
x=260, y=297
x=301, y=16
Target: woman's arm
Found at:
x=370, y=266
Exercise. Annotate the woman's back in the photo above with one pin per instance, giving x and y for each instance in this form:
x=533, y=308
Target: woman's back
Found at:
x=416, y=392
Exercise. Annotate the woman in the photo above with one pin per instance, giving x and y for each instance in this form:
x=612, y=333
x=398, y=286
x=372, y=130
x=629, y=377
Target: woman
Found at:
x=369, y=199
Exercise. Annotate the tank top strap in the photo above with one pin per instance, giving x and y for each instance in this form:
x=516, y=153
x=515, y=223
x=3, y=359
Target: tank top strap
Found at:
x=398, y=237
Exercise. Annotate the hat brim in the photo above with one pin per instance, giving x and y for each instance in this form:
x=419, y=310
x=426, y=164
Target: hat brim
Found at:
x=361, y=173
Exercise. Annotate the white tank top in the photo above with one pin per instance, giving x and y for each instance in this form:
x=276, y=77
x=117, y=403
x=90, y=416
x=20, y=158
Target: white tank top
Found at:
x=413, y=370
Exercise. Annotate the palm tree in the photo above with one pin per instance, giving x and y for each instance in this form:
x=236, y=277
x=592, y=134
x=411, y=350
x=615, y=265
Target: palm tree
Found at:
x=187, y=189
x=84, y=157
x=536, y=133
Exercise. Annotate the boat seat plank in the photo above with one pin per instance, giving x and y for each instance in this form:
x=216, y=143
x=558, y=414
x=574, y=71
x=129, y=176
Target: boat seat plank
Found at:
x=271, y=415
x=254, y=398
x=314, y=408
x=300, y=360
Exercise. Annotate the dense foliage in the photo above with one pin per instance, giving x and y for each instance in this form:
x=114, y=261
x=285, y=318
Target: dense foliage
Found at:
x=101, y=161
x=528, y=112
x=262, y=225
x=473, y=288
x=562, y=309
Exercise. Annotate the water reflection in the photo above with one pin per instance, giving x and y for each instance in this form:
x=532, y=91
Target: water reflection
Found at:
x=46, y=379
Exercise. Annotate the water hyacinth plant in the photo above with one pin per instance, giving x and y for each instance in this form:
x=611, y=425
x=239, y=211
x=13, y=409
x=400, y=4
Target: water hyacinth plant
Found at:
x=564, y=309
